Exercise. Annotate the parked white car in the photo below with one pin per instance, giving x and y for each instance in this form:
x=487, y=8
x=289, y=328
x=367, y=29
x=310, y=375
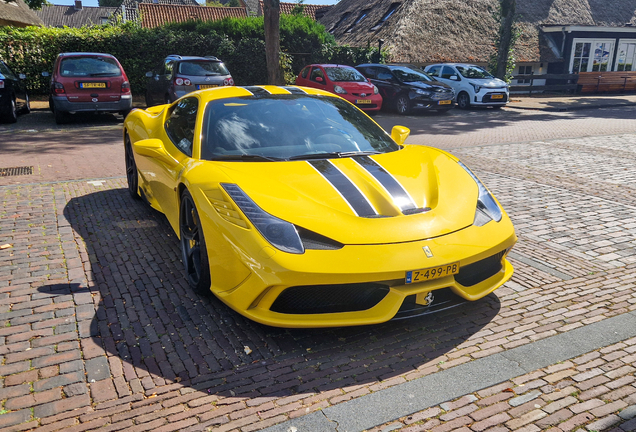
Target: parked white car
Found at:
x=473, y=85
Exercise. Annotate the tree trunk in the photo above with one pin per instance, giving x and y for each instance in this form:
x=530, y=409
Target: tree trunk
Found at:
x=271, y=13
x=508, y=8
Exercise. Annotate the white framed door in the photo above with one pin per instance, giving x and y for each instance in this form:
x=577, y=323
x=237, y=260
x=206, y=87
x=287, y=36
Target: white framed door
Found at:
x=591, y=55
x=626, y=55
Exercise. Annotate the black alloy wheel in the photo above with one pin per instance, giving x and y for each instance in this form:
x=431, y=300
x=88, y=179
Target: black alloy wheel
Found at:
x=463, y=100
x=403, y=105
x=131, y=169
x=193, y=250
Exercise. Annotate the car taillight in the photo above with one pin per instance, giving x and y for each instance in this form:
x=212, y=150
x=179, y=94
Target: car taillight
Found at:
x=125, y=87
x=1, y=83
x=228, y=82
x=58, y=88
x=182, y=81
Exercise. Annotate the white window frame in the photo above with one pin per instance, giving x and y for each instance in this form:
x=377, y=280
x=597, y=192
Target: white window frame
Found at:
x=592, y=41
x=629, y=41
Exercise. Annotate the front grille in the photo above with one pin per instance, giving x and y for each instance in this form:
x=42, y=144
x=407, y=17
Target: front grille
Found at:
x=16, y=171
x=477, y=272
x=442, y=95
x=320, y=299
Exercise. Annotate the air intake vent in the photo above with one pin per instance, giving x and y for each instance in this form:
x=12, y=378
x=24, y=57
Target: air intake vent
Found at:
x=319, y=299
x=477, y=272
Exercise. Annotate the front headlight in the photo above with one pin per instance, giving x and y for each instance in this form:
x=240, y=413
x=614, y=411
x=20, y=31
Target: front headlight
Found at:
x=423, y=92
x=279, y=233
x=487, y=208
x=476, y=87
x=339, y=89
x=376, y=90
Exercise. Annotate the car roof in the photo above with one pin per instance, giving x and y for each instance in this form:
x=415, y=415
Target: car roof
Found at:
x=455, y=64
x=179, y=57
x=75, y=54
x=330, y=65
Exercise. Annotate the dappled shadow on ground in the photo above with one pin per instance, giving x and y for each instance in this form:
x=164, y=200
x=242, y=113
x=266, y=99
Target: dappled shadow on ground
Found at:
x=150, y=319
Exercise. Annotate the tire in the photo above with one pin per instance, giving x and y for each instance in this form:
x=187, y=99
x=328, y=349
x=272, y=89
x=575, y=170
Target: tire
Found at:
x=403, y=105
x=27, y=105
x=132, y=174
x=11, y=114
x=463, y=100
x=51, y=106
x=61, y=117
x=193, y=250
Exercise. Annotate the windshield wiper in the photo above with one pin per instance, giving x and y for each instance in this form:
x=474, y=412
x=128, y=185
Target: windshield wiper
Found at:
x=245, y=157
x=331, y=155
x=104, y=74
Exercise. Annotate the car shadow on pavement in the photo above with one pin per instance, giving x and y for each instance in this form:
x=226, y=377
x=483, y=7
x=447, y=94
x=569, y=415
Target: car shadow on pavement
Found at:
x=144, y=314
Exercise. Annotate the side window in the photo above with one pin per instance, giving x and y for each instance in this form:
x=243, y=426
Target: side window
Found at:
x=447, y=72
x=368, y=72
x=4, y=70
x=180, y=125
x=384, y=74
x=305, y=72
x=435, y=71
x=315, y=73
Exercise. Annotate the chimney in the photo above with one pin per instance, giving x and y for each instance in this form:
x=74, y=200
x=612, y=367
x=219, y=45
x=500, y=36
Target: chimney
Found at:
x=78, y=5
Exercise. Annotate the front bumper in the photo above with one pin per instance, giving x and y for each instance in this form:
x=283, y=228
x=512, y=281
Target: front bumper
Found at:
x=62, y=104
x=258, y=295
x=491, y=98
x=426, y=103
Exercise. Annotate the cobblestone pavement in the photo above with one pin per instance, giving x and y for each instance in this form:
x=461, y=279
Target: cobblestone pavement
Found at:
x=100, y=331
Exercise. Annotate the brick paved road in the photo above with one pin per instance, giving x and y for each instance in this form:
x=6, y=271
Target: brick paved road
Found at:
x=100, y=329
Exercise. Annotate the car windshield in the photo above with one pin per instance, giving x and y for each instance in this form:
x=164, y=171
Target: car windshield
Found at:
x=474, y=72
x=95, y=66
x=339, y=74
x=202, y=68
x=284, y=127
x=406, y=74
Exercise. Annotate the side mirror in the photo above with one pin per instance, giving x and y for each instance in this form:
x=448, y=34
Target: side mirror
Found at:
x=454, y=78
x=22, y=76
x=149, y=74
x=319, y=79
x=45, y=74
x=400, y=134
x=154, y=148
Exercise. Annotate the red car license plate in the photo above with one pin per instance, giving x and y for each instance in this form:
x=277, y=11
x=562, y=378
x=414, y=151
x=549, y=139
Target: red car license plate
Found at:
x=363, y=101
x=92, y=85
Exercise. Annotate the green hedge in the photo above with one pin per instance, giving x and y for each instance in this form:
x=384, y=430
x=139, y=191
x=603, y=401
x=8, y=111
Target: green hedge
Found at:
x=238, y=42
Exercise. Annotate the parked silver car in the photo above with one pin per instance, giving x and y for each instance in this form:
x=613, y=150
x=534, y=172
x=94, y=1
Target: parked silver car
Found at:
x=178, y=75
x=473, y=85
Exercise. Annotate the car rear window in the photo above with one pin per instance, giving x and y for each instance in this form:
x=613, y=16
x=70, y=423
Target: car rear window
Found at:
x=93, y=66
x=202, y=68
x=340, y=74
x=288, y=126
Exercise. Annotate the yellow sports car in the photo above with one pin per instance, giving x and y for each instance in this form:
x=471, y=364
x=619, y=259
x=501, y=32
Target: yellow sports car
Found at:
x=297, y=210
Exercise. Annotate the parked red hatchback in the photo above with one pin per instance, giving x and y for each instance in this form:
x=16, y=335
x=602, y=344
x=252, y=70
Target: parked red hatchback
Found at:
x=88, y=82
x=344, y=81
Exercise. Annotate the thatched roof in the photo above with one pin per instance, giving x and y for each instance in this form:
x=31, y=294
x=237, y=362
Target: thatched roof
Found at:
x=16, y=13
x=154, y=15
x=72, y=16
x=427, y=31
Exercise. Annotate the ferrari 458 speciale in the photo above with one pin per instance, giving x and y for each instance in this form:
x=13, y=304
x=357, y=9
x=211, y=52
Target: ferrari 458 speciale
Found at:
x=296, y=209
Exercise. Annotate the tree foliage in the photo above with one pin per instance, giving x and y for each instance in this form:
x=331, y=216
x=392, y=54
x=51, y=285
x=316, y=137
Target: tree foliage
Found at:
x=239, y=42
x=502, y=62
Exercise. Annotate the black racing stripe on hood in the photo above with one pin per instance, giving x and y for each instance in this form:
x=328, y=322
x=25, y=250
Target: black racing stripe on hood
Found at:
x=257, y=91
x=295, y=90
x=347, y=189
x=400, y=196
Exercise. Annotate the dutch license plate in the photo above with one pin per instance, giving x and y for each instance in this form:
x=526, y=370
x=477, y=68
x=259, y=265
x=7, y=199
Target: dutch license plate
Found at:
x=431, y=273
x=496, y=97
x=92, y=85
x=206, y=86
x=444, y=102
x=363, y=101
